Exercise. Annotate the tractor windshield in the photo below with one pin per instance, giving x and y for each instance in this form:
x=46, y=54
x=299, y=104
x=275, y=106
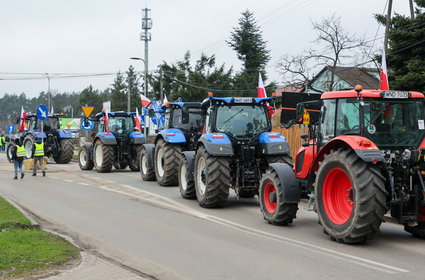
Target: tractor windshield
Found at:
x=48, y=124
x=394, y=123
x=241, y=121
x=190, y=119
x=121, y=125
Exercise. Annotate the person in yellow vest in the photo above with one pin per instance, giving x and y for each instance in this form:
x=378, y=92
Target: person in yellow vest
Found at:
x=18, y=156
x=2, y=142
x=38, y=155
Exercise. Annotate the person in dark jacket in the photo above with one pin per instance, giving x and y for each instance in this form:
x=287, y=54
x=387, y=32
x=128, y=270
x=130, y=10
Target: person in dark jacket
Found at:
x=38, y=155
x=18, y=156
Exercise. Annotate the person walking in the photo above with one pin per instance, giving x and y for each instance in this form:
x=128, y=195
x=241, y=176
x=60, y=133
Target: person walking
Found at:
x=2, y=142
x=38, y=156
x=18, y=156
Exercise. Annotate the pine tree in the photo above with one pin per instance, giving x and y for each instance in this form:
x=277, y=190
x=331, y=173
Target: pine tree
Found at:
x=132, y=86
x=118, y=94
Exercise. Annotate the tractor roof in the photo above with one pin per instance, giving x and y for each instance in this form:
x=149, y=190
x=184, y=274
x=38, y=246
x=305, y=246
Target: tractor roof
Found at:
x=186, y=104
x=117, y=114
x=235, y=100
x=50, y=115
x=371, y=93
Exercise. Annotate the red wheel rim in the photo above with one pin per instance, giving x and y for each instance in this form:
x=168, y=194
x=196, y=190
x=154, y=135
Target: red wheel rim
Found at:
x=270, y=205
x=337, y=196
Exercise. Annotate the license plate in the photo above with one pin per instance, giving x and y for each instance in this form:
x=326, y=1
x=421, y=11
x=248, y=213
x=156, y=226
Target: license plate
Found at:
x=396, y=94
x=243, y=100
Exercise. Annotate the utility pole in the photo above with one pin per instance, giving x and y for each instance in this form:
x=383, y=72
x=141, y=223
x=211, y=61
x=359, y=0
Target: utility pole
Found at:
x=161, y=94
x=412, y=10
x=387, y=25
x=146, y=36
x=49, y=94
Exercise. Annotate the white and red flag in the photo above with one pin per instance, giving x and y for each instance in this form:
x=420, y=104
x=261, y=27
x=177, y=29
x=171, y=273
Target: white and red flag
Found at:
x=145, y=100
x=164, y=102
x=261, y=93
x=383, y=73
x=137, y=119
x=22, y=120
x=106, y=121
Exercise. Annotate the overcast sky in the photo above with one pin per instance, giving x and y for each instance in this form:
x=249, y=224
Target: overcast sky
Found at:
x=99, y=36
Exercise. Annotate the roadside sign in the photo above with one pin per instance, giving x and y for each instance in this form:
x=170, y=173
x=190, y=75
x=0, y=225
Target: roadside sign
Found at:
x=87, y=124
x=10, y=128
x=42, y=112
x=87, y=110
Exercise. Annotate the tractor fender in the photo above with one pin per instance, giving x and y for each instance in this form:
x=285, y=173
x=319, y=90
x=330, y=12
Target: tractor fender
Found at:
x=189, y=157
x=363, y=147
x=150, y=151
x=106, y=139
x=137, y=138
x=64, y=134
x=288, y=182
x=273, y=143
x=89, y=148
x=217, y=144
x=173, y=135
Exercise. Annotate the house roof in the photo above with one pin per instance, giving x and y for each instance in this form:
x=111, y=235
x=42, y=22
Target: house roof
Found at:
x=355, y=76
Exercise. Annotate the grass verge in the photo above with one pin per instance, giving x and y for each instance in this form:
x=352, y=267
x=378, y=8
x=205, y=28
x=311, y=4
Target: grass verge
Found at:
x=26, y=249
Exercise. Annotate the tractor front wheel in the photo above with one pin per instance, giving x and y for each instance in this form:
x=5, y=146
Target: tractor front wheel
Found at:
x=275, y=210
x=167, y=158
x=84, y=160
x=186, y=182
x=350, y=197
x=148, y=174
x=103, y=157
x=134, y=163
x=66, y=151
x=212, y=179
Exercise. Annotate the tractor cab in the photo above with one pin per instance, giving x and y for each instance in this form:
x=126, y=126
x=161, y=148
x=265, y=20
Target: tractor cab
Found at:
x=186, y=116
x=50, y=124
x=240, y=118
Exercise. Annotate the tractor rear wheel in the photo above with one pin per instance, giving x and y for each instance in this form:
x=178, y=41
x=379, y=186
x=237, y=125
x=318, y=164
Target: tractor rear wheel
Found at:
x=212, y=179
x=134, y=163
x=148, y=174
x=186, y=182
x=9, y=152
x=103, y=157
x=275, y=210
x=84, y=160
x=350, y=197
x=66, y=151
x=167, y=158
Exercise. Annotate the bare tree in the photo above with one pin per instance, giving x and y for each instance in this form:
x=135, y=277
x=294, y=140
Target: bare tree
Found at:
x=337, y=47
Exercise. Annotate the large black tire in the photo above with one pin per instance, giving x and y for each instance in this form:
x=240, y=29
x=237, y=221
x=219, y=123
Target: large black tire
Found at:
x=148, y=174
x=84, y=160
x=212, y=179
x=103, y=157
x=9, y=151
x=275, y=210
x=167, y=158
x=186, y=181
x=350, y=197
x=134, y=162
x=28, y=143
x=66, y=151
x=417, y=231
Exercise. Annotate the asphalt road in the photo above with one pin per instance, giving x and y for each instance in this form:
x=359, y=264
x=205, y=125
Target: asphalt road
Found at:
x=153, y=230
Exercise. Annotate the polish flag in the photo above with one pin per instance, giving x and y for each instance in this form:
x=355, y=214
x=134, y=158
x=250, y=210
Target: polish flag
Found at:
x=22, y=120
x=137, y=120
x=145, y=100
x=164, y=102
x=106, y=121
x=384, y=74
x=261, y=93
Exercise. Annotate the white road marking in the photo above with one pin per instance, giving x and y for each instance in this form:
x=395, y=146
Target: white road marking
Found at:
x=53, y=177
x=173, y=205
x=69, y=181
x=84, y=184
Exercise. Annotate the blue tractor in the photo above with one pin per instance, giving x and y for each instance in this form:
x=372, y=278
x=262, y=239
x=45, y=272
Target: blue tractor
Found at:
x=116, y=141
x=183, y=122
x=236, y=150
x=58, y=143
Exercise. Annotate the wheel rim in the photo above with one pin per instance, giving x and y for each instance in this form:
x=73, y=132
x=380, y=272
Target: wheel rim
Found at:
x=200, y=176
x=83, y=158
x=338, y=196
x=160, y=162
x=28, y=148
x=183, y=180
x=144, y=164
x=99, y=155
x=269, y=202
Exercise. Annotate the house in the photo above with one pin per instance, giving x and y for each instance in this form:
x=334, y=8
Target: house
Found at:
x=344, y=78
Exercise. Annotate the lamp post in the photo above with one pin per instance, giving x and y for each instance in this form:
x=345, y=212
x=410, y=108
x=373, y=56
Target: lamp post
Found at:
x=49, y=95
x=146, y=89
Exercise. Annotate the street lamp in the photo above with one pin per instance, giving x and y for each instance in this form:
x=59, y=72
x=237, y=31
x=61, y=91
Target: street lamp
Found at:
x=146, y=88
x=49, y=95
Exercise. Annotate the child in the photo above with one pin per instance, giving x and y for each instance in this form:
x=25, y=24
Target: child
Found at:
x=18, y=156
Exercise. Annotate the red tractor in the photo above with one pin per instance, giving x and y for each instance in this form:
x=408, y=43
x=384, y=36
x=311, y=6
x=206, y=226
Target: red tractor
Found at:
x=364, y=155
